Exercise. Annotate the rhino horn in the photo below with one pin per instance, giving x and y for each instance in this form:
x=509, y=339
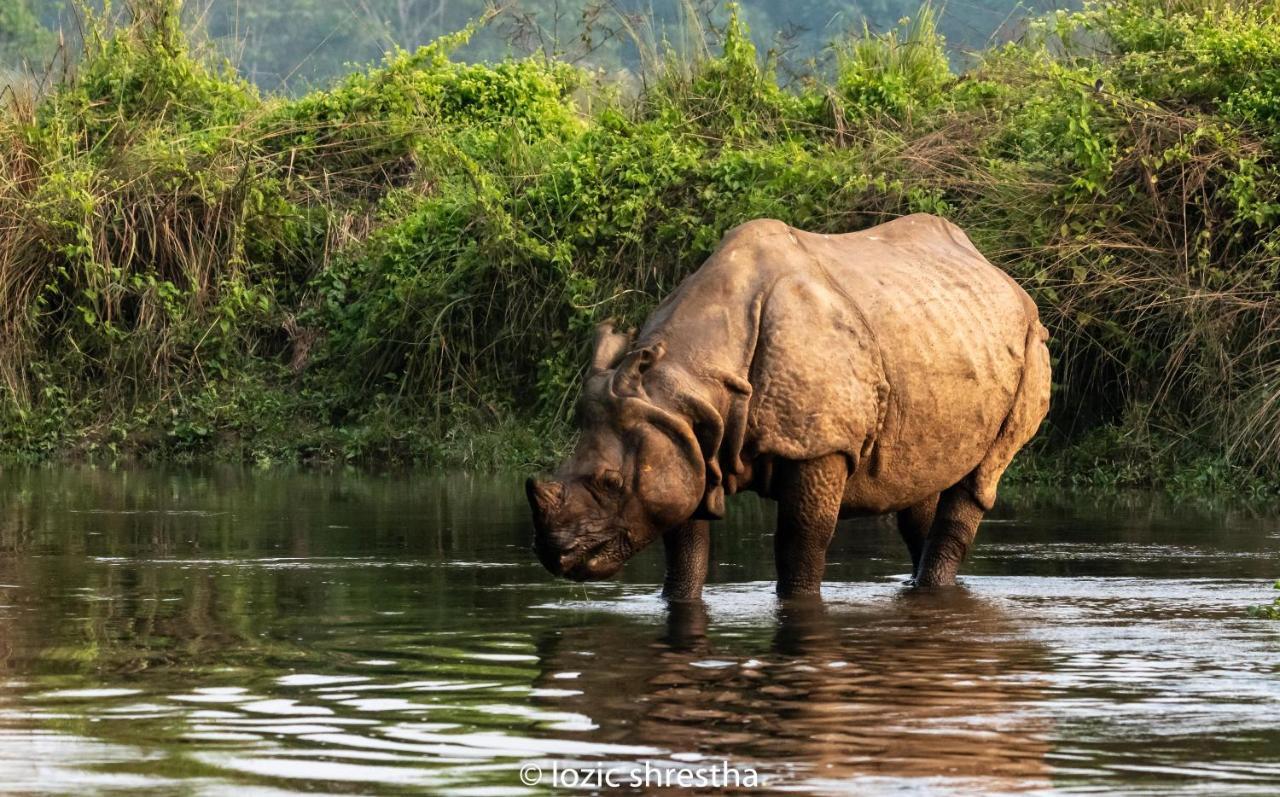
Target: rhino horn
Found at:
x=544, y=496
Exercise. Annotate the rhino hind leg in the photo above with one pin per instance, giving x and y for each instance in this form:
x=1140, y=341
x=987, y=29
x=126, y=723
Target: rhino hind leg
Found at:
x=962, y=506
x=809, y=495
x=688, y=550
x=953, y=531
x=914, y=524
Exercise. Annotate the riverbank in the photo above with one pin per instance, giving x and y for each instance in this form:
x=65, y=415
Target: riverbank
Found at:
x=406, y=268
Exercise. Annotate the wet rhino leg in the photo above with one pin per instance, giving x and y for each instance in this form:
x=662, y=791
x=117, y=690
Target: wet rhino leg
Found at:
x=948, y=542
x=914, y=524
x=687, y=548
x=809, y=495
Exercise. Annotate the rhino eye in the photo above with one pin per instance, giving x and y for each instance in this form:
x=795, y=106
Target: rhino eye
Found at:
x=610, y=480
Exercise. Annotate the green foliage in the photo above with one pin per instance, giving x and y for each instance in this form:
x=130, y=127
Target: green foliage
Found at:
x=733, y=96
x=900, y=73
x=1211, y=55
x=143, y=74
x=1267, y=611
x=404, y=108
x=408, y=266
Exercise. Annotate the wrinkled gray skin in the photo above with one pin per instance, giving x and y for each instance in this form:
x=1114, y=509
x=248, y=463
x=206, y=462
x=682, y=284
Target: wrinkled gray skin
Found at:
x=888, y=370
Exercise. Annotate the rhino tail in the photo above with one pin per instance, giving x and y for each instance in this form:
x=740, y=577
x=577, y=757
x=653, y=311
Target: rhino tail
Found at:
x=1030, y=405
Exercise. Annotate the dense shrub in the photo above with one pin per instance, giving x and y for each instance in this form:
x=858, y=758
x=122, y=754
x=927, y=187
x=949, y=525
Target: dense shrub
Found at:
x=409, y=264
x=900, y=74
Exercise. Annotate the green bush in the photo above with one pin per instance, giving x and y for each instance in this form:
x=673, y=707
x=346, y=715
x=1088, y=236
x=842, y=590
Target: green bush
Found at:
x=1215, y=56
x=395, y=267
x=899, y=74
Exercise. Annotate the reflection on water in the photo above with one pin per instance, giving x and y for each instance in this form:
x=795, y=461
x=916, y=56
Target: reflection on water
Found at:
x=278, y=633
x=907, y=686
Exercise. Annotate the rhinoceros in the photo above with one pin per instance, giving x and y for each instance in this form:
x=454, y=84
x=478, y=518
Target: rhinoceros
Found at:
x=892, y=369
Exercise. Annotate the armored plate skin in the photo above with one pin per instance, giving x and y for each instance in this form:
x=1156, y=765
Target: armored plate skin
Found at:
x=895, y=363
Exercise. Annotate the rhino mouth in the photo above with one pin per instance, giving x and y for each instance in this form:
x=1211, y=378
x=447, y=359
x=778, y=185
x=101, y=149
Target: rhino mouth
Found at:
x=591, y=561
x=601, y=560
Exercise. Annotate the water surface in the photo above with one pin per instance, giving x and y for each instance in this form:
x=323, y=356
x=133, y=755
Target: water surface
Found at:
x=273, y=633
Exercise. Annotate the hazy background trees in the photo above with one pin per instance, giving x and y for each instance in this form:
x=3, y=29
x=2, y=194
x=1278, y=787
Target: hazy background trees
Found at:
x=298, y=44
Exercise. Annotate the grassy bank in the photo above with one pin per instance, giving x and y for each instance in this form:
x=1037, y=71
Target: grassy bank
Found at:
x=406, y=267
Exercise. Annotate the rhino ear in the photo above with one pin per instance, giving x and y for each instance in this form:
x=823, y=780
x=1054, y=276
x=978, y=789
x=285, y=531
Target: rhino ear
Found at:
x=628, y=380
x=608, y=348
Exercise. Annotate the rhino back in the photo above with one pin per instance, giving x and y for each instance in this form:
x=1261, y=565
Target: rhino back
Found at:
x=900, y=346
x=951, y=332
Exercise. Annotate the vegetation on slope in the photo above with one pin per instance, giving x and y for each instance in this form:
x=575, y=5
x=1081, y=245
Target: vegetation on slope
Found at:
x=407, y=265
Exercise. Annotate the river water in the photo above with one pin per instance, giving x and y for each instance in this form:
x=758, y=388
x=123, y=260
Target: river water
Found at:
x=180, y=632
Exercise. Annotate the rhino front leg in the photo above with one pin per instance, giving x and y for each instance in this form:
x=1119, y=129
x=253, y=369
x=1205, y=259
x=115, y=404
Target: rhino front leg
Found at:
x=914, y=524
x=948, y=542
x=809, y=495
x=688, y=549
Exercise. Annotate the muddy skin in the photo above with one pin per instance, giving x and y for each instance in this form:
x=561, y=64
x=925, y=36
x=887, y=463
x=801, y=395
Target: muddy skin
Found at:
x=892, y=370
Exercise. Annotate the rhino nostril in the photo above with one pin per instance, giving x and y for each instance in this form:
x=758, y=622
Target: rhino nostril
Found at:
x=567, y=561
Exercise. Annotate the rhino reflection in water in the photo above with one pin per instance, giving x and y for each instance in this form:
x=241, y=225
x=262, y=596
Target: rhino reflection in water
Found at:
x=837, y=695
x=890, y=370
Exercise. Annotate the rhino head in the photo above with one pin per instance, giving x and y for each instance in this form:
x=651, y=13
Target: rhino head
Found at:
x=636, y=472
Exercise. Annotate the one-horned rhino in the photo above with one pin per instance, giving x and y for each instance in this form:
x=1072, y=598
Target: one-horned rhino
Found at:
x=888, y=370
